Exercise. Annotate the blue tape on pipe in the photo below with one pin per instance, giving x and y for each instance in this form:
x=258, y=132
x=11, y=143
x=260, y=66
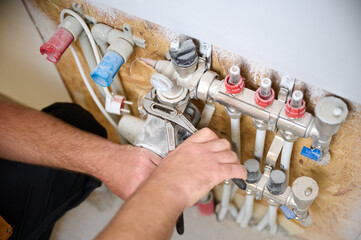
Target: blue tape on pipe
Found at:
x=104, y=73
x=313, y=154
x=288, y=212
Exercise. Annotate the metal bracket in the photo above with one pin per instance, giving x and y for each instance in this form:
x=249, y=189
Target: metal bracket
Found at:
x=274, y=150
x=78, y=8
x=205, y=50
x=128, y=30
x=287, y=84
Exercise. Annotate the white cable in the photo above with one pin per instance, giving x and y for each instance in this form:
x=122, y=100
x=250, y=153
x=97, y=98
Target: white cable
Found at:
x=89, y=35
x=90, y=89
x=80, y=67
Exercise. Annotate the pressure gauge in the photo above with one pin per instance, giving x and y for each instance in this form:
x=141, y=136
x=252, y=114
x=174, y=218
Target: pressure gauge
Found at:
x=161, y=82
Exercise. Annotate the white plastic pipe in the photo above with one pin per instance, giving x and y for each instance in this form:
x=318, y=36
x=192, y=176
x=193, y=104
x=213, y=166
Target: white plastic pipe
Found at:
x=245, y=214
x=259, y=145
x=236, y=135
x=232, y=210
x=130, y=127
x=226, y=193
x=236, y=145
x=207, y=114
x=286, y=158
x=270, y=219
x=263, y=223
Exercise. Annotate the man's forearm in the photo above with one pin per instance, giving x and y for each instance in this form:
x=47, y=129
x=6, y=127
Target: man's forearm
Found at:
x=34, y=137
x=150, y=213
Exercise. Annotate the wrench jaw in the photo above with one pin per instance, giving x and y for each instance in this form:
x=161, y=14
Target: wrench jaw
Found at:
x=163, y=132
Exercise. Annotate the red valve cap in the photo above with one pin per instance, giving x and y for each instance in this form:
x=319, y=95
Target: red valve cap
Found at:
x=264, y=102
x=57, y=45
x=295, y=112
x=234, y=88
x=206, y=207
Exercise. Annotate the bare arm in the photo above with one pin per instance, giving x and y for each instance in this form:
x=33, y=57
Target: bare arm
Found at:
x=34, y=137
x=181, y=179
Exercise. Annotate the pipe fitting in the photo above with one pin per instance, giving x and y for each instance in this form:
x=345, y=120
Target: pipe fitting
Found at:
x=260, y=124
x=233, y=113
x=205, y=83
x=264, y=95
x=72, y=25
x=296, y=106
x=68, y=31
x=330, y=113
x=304, y=192
x=167, y=69
x=121, y=46
x=288, y=136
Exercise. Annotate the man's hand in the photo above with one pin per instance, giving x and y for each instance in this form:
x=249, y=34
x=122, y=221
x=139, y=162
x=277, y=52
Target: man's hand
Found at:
x=127, y=169
x=197, y=165
x=182, y=178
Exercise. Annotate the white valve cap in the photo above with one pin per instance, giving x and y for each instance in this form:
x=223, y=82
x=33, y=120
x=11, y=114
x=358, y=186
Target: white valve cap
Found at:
x=297, y=97
x=266, y=84
x=234, y=75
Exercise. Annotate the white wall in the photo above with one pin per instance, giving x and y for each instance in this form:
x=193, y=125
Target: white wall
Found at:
x=315, y=41
x=25, y=76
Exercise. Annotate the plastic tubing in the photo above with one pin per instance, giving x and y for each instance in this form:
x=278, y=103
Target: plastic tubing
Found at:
x=246, y=212
x=272, y=219
x=286, y=158
x=259, y=145
x=224, y=201
x=236, y=135
x=80, y=67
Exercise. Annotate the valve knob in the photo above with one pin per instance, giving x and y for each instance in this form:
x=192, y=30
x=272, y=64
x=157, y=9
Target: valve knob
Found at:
x=276, y=182
x=253, y=170
x=185, y=54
